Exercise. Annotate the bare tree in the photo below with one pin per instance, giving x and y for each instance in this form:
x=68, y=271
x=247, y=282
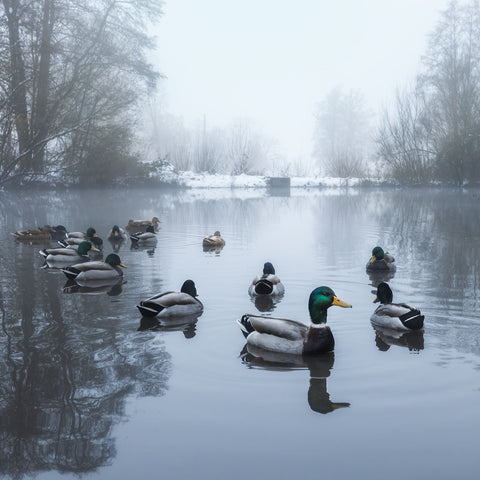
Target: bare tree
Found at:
x=340, y=133
x=76, y=67
x=451, y=82
x=405, y=141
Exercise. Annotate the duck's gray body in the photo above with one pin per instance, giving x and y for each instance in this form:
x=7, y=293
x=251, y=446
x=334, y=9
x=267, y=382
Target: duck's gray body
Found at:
x=397, y=316
x=170, y=304
x=288, y=336
x=94, y=271
x=268, y=284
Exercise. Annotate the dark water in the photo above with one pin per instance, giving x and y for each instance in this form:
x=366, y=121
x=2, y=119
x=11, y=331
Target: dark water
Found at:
x=84, y=392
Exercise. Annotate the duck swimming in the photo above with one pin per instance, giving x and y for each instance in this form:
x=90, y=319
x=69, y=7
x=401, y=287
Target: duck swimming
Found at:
x=117, y=234
x=266, y=284
x=381, y=261
x=68, y=254
x=292, y=337
x=98, y=270
x=147, y=239
x=89, y=234
x=214, y=240
x=40, y=234
x=397, y=316
x=168, y=304
x=140, y=226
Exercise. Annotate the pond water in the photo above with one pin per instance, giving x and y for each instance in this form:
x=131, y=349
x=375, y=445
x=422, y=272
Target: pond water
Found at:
x=84, y=392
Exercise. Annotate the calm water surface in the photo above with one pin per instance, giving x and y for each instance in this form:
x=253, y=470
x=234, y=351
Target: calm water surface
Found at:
x=84, y=392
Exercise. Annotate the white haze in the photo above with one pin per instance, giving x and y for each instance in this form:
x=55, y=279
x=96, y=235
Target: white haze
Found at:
x=272, y=61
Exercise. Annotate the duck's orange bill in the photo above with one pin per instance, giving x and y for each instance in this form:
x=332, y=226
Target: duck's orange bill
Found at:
x=340, y=303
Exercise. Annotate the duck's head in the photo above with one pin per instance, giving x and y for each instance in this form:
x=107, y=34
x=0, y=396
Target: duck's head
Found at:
x=85, y=247
x=217, y=234
x=377, y=254
x=384, y=294
x=150, y=229
x=114, y=260
x=189, y=287
x=97, y=242
x=116, y=230
x=268, y=269
x=91, y=232
x=320, y=300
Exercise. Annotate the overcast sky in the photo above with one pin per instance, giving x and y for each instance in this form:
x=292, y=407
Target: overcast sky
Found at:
x=272, y=61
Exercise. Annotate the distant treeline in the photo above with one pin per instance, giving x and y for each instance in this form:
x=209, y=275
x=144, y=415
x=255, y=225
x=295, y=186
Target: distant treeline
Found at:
x=434, y=131
x=71, y=75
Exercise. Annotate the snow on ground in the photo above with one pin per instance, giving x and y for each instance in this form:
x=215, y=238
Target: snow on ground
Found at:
x=194, y=180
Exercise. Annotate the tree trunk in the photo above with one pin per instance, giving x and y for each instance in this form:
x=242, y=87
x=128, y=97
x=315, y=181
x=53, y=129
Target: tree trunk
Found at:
x=41, y=120
x=18, y=83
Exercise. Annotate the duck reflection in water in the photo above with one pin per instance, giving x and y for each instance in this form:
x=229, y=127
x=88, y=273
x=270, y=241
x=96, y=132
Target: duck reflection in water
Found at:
x=266, y=303
x=319, y=366
x=216, y=249
x=186, y=323
x=385, y=338
x=95, y=287
x=376, y=278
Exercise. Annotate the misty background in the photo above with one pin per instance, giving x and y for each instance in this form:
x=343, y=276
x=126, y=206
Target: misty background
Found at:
x=383, y=90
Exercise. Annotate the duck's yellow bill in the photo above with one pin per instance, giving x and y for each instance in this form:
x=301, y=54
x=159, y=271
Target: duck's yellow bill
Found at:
x=122, y=265
x=376, y=300
x=94, y=249
x=372, y=259
x=340, y=303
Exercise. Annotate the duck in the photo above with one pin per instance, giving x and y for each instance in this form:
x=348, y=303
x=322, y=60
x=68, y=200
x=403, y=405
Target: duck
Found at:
x=214, y=240
x=97, y=270
x=89, y=234
x=117, y=234
x=173, y=304
x=68, y=254
x=146, y=239
x=40, y=234
x=95, y=240
x=266, y=284
x=381, y=261
x=396, y=316
x=293, y=337
x=140, y=226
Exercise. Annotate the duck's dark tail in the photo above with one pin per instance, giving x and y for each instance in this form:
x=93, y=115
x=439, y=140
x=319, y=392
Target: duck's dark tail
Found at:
x=43, y=253
x=149, y=309
x=413, y=319
x=70, y=272
x=245, y=325
x=263, y=287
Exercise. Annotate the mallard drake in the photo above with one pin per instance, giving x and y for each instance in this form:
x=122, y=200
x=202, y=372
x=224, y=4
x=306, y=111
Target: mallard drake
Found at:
x=266, y=284
x=292, y=337
x=117, y=234
x=147, y=239
x=89, y=234
x=397, y=316
x=68, y=254
x=168, y=304
x=40, y=234
x=381, y=261
x=140, y=226
x=96, y=241
x=97, y=270
x=214, y=240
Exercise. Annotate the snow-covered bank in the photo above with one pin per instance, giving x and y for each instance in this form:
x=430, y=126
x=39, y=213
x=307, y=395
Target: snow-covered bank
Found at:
x=188, y=179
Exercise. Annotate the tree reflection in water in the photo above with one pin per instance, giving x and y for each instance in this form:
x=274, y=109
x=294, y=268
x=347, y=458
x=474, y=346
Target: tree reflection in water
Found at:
x=66, y=375
x=319, y=367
